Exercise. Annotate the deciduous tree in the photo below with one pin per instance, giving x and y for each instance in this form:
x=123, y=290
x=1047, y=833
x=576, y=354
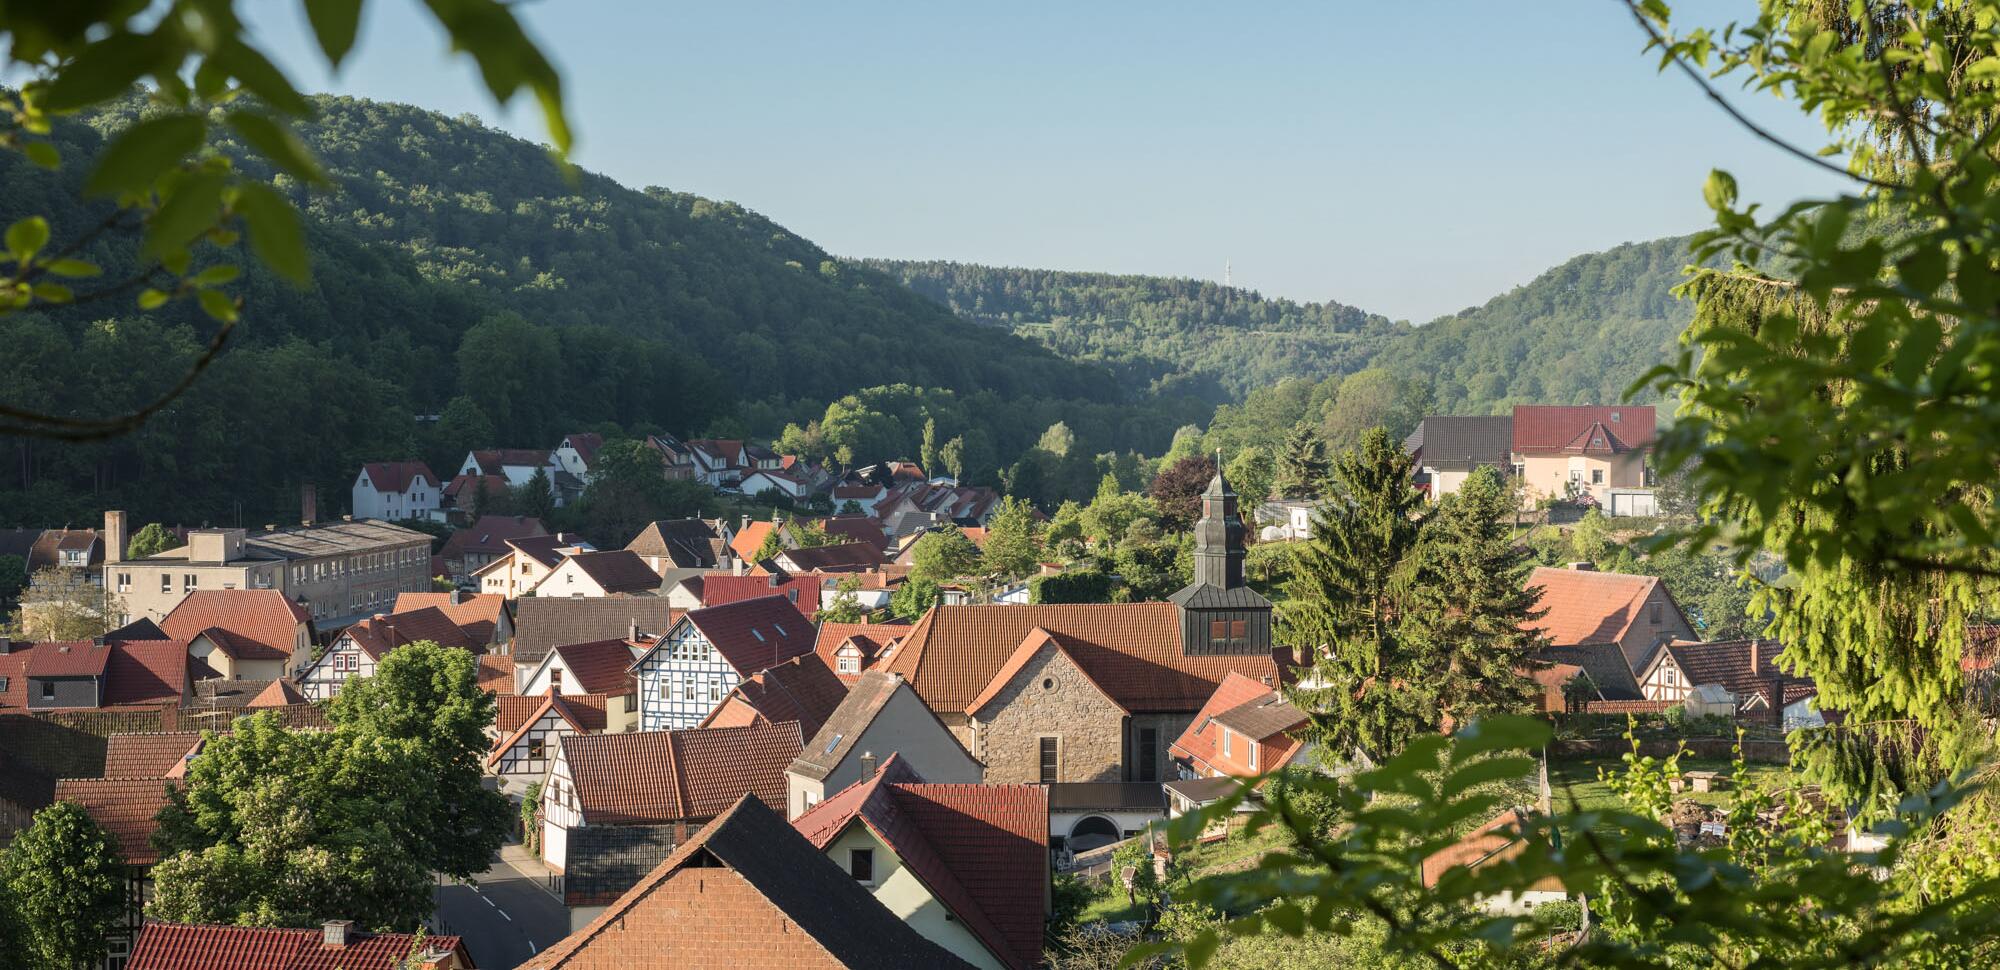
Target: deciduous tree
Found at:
x=62, y=889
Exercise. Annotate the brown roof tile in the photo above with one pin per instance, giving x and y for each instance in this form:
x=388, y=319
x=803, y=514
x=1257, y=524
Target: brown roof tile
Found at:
x=754, y=634
x=647, y=777
x=157, y=754
x=801, y=689
x=617, y=571
x=261, y=624
x=183, y=946
x=478, y=614
x=124, y=808
x=1546, y=428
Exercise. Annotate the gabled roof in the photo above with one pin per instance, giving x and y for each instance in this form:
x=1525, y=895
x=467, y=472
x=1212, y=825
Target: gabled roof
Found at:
x=753, y=634
x=1263, y=717
x=140, y=629
x=1742, y=666
x=383, y=632
x=147, y=672
x=980, y=850
x=69, y=658
x=585, y=714
x=460, y=490
x=489, y=535
x=1236, y=693
x=1603, y=663
x=650, y=777
x=1132, y=651
x=1587, y=606
x=545, y=548
x=750, y=538
x=541, y=623
x=873, y=640
x=1549, y=428
x=599, y=667
x=719, y=589
x=1031, y=645
x=493, y=459
x=152, y=754
x=1493, y=842
x=124, y=808
x=262, y=624
x=585, y=444
x=617, y=571
x=478, y=614
x=1451, y=441
x=183, y=946
x=858, y=528
x=843, y=557
x=801, y=689
x=396, y=476
x=843, y=728
x=280, y=693
x=822, y=902
x=496, y=674
x=687, y=543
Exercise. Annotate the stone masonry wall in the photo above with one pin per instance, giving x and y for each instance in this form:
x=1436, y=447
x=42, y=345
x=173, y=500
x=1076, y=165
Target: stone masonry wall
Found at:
x=1089, y=728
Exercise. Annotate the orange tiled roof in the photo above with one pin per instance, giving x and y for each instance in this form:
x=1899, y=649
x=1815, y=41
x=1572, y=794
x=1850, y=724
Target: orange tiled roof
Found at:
x=280, y=693
x=478, y=614
x=152, y=754
x=262, y=624
x=124, y=808
x=1587, y=606
x=496, y=673
x=184, y=946
x=647, y=777
x=1198, y=742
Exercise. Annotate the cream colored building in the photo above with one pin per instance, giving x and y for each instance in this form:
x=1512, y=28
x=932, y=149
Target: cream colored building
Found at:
x=338, y=570
x=1590, y=450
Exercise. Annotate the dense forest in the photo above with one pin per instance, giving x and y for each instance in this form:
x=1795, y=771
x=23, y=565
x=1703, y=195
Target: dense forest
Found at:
x=467, y=291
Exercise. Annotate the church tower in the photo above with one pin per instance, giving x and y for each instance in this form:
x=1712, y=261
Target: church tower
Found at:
x=1219, y=614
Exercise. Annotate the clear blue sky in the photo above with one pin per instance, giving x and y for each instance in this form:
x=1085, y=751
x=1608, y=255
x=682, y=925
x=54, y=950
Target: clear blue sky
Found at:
x=1409, y=158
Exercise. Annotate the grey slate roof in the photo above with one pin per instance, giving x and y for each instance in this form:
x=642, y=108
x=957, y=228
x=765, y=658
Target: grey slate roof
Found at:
x=1463, y=443
x=687, y=543
x=1605, y=664
x=542, y=623
x=1202, y=596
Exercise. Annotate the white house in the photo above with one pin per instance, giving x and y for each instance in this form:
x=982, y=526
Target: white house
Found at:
x=686, y=673
x=576, y=453
x=360, y=647
x=516, y=465
x=618, y=572
x=778, y=480
x=601, y=667
x=880, y=716
x=397, y=490
x=522, y=754
x=529, y=561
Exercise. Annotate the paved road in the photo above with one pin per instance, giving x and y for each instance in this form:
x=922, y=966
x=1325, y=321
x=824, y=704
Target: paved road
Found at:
x=507, y=915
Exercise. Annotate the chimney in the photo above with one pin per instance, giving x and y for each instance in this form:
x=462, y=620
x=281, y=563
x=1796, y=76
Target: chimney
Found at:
x=457, y=596
x=736, y=567
x=336, y=931
x=1584, y=567
x=1753, y=655
x=745, y=525
x=867, y=764
x=6, y=646
x=308, y=503
x=632, y=630
x=114, y=536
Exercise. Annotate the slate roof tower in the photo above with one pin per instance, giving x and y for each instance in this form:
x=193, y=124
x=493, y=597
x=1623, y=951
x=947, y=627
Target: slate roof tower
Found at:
x=1219, y=614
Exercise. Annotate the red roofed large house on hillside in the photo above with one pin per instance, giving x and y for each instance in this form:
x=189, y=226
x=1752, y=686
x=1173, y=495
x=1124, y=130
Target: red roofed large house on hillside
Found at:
x=965, y=865
x=1584, y=606
x=1092, y=694
x=397, y=490
x=243, y=634
x=711, y=650
x=611, y=799
x=1596, y=451
x=337, y=945
x=745, y=890
x=1247, y=728
x=602, y=667
x=360, y=647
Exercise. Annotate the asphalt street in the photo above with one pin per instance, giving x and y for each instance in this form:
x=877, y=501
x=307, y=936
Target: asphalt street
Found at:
x=506, y=915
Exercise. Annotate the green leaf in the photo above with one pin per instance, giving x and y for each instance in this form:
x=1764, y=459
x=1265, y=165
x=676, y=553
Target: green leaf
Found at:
x=278, y=143
x=334, y=23
x=218, y=304
x=1720, y=190
x=1288, y=918
x=151, y=299
x=53, y=292
x=1200, y=949
x=217, y=275
x=27, y=237
x=193, y=204
x=43, y=154
x=140, y=153
x=261, y=77
x=74, y=268
x=105, y=70
x=275, y=233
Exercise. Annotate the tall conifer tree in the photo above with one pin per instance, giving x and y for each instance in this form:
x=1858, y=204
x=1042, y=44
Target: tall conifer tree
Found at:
x=1303, y=465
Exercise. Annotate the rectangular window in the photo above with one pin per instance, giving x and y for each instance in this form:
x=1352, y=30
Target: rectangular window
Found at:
x=1597, y=476
x=555, y=679
x=189, y=581
x=1051, y=760
x=166, y=582
x=48, y=690
x=714, y=691
x=537, y=748
x=124, y=582
x=1239, y=629
x=1149, y=754
x=1253, y=755
x=1218, y=629
x=861, y=865
x=1658, y=612
x=1228, y=737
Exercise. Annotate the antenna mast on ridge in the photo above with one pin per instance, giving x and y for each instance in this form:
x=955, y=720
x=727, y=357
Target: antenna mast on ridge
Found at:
x=1228, y=278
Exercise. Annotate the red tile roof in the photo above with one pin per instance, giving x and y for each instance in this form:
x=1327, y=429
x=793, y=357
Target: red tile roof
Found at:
x=147, y=672
x=585, y=444
x=754, y=634
x=382, y=632
x=1496, y=841
x=857, y=528
x=396, y=476
x=584, y=712
x=1586, y=606
x=262, y=624
x=459, y=491
x=183, y=946
x=1132, y=650
x=152, y=754
x=124, y=808
x=1031, y=645
x=801, y=689
x=280, y=693
x=649, y=777
x=617, y=571
x=492, y=460
x=601, y=666
x=981, y=850
x=1200, y=741
x=1745, y=667
x=872, y=639
x=749, y=539
x=478, y=614
x=496, y=674
x=718, y=589
x=1546, y=428
x=69, y=658
x=489, y=535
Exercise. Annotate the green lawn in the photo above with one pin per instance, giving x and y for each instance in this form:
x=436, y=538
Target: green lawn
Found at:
x=1579, y=779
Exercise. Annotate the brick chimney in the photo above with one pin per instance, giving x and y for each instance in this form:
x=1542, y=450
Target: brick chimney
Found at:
x=867, y=764
x=308, y=503
x=337, y=932
x=114, y=536
x=1753, y=656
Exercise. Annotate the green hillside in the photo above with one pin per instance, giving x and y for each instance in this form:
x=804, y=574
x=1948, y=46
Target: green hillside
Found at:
x=459, y=271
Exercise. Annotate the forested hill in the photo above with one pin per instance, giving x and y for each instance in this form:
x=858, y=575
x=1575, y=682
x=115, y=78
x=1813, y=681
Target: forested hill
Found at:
x=1579, y=333
x=458, y=271
x=1171, y=334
